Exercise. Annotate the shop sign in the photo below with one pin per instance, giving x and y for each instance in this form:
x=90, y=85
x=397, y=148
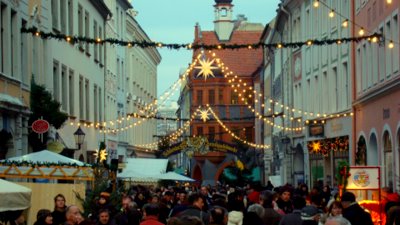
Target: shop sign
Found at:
x=363, y=178
x=316, y=130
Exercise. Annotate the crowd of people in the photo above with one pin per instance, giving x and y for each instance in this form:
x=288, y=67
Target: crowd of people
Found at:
x=252, y=205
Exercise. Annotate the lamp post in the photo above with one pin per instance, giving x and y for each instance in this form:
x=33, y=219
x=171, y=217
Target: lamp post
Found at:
x=79, y=136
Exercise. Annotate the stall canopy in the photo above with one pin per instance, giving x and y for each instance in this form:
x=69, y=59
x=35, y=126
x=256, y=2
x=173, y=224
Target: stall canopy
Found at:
x=45, y=164
x=149, y=170
x=13, y=196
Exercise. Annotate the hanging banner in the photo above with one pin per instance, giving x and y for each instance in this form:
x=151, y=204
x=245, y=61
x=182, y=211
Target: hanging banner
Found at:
x=363, y=178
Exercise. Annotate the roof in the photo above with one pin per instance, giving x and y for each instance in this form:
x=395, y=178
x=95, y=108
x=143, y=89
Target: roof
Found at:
x=243, y=62
x=46, y=156
x=14, y=196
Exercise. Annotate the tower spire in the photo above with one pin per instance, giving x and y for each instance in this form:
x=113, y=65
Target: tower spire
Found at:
x=223, y=24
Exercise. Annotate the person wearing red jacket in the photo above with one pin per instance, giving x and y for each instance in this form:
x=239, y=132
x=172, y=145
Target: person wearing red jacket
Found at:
x=150, y=214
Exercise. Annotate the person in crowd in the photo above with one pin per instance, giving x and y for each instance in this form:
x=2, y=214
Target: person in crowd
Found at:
x=254, y=215
x=336, y=221
x=353, y=212
x=174, y=221
x=104, y=218
x=59, y=209
x=165, y=205
x=284, y=202
x=294, y=217
x=271, y=217
x=205, y=192
x=218, y=216
x=325, y=195
x=302, y=190
x=195, y=208
x=71, y=214
x=151, y=211
x=181, y=205
x=190, y=220
x=103, y=203
x=310, y=215
x=391, y=215
x=44, y=217
x=235, y=209
x=155, y=199
x=335, y=209
x=253, y=195
x=129, y=215
x=15, y=217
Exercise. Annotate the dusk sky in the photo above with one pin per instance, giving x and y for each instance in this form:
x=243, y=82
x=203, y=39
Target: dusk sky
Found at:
x=173, y=21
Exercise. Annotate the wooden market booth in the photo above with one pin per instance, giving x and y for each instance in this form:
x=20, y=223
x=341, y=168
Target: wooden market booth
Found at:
x=40, y=171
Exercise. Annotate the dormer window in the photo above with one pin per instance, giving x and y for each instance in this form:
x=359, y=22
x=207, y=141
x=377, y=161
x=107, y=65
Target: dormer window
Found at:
x=224, y=12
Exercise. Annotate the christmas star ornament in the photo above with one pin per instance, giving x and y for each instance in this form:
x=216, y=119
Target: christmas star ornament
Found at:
x=206, y=68
x=102, y=154
x=204, y=115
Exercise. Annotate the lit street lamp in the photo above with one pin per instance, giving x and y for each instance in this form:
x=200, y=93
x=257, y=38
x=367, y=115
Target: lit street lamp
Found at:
x=79, y=136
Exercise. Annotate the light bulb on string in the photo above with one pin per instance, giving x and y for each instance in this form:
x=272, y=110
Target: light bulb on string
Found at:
x=316, y=4
x=391, y=44
x=345, y=23
x=332, y=13
x=361, y=32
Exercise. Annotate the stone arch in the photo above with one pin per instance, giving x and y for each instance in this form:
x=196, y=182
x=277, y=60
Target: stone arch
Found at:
x=372, y=150
x=81, y=158
x=298, y=164
x=221, y=169
x=197, y=174
x=387, y=158
x=361, y=151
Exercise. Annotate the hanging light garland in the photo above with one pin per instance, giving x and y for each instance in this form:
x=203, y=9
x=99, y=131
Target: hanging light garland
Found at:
x=146, y=44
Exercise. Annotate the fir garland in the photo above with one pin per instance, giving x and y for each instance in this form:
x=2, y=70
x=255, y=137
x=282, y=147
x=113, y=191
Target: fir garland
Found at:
x=195, y=46
x=342, y=175
x=43, y=164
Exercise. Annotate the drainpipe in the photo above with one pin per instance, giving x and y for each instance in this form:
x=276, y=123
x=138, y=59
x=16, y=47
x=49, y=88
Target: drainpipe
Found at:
x=354, y=85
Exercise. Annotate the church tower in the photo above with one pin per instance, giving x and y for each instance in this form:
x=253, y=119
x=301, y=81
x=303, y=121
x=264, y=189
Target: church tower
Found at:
x=223, y=24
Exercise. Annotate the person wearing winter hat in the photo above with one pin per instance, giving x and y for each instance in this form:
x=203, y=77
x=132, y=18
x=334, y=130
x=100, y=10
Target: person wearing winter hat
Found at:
x=44, y=217
x=310, y=215
x=270, y=217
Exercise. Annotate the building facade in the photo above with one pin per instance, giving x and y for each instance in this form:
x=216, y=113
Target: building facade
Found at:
x=95, y=83
x=376, y=91
x=309, y=86
x=215, y=91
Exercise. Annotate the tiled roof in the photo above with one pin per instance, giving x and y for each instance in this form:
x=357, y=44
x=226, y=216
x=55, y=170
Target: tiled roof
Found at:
x=243, y=62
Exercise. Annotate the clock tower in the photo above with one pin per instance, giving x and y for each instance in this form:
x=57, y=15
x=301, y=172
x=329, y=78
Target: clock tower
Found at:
x=223, y=24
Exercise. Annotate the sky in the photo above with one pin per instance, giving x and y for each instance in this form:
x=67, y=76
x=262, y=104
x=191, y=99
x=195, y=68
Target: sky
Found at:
x=173, y=21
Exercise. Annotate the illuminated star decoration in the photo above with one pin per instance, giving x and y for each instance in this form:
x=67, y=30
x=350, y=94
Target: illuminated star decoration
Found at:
x=204, y=115
x=206, y=68
x=102, y=154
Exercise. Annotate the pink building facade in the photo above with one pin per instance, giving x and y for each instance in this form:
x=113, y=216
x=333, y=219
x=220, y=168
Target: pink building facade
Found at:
x=376, y=90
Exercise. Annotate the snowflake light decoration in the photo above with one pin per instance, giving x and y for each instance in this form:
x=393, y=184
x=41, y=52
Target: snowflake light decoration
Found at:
x=102, y=154
x=206, y=68
x=204, y=115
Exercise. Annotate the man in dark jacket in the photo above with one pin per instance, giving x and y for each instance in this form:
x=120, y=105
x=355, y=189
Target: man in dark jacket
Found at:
x=195, y=208
x=59, y=210
x=295, y=217
x=353, y=212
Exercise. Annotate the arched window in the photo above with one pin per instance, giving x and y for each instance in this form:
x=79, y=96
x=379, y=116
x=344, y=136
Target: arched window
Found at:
x=224, y=12
x=361, y=152
x=388, y=159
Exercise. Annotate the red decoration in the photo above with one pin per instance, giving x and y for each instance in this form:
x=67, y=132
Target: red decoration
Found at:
x=40, y=126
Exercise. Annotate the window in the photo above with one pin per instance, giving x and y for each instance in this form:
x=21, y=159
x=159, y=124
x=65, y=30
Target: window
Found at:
x=221, y=96
x=100, y=105
x=14, y=44
x=87, y=105
x=224, y=12
x=64, y=89
x=211, y=97
x=87, y=32
x=335, y=89
x=54, y=14
x=71, y=92
x=95, y=104
x=388, y=34
x=96, y=49
x=381, y=59
x=56, y=81
x=199, y=131
x=347, y=86
x=81, y=95
x=211, y=133
x=199, y=97
x=80, y=24
x=70, y=17
x=63, y=17
x=24, y=55
x=395, y=50
x=100, y=47
x=325, y=92
x=249, y=134
x=234, y=98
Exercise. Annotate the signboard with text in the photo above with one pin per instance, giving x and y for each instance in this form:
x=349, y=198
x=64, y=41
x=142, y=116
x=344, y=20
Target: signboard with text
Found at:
x=364, y=178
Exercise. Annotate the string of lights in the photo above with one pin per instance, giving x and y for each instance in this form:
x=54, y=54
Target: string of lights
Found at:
x=346, y=21
x=144, y=44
